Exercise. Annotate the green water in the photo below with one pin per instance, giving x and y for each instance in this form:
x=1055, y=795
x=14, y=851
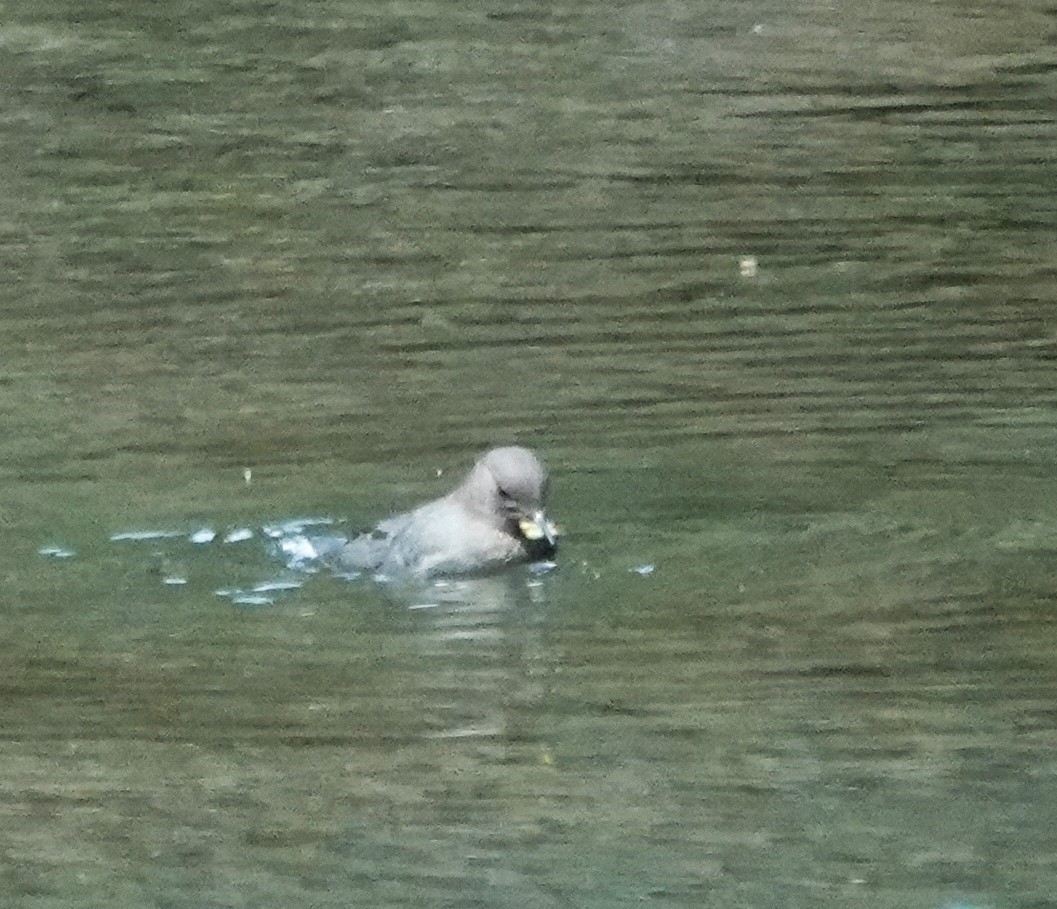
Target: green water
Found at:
x=349, y=246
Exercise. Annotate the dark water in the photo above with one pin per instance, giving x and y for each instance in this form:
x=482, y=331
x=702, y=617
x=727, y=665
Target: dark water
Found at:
x=771, y=288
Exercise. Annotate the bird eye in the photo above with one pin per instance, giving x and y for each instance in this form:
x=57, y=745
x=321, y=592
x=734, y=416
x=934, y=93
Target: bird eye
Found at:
x=506, y=501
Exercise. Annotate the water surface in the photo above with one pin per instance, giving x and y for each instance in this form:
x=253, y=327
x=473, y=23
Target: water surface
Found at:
x=770, y=288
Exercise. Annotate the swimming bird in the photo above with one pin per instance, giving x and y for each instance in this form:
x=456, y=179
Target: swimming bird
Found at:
x=495, y=517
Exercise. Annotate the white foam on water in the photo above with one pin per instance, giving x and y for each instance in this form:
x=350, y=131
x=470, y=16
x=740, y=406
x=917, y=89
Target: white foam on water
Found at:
x=139, y=535
x=56, y=552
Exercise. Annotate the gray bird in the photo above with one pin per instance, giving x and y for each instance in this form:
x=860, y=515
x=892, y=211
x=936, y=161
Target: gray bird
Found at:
x=495, y=517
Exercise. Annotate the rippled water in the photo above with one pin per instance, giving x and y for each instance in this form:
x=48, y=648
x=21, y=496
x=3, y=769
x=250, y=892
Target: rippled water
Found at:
x=769, y=286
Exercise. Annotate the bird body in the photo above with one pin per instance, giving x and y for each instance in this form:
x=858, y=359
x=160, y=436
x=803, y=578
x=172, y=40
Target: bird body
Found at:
x=495, y=517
